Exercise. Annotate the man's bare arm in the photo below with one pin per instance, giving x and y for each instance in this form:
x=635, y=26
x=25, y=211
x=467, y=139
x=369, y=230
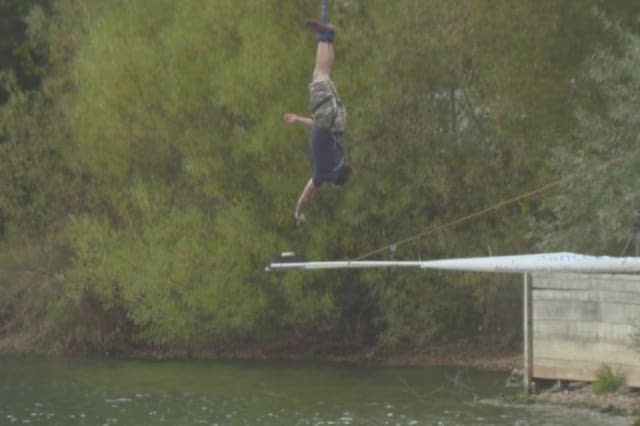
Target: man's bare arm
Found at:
x=291, y=118
x=303, y=201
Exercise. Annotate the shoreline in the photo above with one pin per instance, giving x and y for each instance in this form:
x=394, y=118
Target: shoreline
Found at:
x=580, y=394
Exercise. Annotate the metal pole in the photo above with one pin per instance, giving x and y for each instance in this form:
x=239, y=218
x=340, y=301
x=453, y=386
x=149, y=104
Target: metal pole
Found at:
x=636, y=231
x=283, y=265
x=528, y=334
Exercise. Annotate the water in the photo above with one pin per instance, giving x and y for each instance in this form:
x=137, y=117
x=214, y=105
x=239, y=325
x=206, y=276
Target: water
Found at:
x=43, y=391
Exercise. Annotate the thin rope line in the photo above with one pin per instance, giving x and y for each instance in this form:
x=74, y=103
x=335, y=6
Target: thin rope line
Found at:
x=624, y=250
x=544, y=188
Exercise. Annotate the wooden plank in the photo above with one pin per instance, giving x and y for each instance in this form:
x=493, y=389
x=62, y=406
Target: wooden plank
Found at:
x=569, y=371
x=567, y=310
x=611, y=295
x=569, y=360
x=622, y=282
x=594, y=352
x=581, y=321
x=580, y=331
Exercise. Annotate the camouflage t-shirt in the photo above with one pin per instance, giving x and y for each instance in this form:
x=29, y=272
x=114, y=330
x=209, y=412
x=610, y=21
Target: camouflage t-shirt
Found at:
x=326, y=106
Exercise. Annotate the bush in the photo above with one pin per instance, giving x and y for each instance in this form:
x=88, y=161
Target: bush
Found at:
x=607, y=381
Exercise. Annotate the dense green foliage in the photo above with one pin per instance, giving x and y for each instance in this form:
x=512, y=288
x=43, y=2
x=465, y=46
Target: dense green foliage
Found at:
x=607, y=381
x=596, y=210
x=21, y=53
x=150, y=167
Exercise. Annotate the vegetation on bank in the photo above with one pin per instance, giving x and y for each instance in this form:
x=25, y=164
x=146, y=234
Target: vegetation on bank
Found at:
x=147, y=178
x=622, y=402
x=607, y=380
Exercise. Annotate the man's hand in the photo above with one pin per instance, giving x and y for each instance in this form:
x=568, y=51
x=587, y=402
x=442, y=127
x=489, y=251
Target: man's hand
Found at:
x=290, y=118
x=301, y=219
x=305, y=198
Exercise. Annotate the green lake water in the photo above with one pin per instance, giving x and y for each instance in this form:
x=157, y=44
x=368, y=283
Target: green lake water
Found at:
x=45, y=391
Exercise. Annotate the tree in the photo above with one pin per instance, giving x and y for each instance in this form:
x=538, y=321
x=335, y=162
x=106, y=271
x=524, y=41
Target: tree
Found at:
x=175, y=119
x=154, y=153
x=20, y=53
x=595, y=209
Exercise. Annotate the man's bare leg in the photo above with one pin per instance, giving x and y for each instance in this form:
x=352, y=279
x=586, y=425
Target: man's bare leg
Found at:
x=325, y=33
x=325, y=58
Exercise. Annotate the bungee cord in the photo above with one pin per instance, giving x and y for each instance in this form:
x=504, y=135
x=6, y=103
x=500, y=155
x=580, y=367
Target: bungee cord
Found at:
x=432, y=229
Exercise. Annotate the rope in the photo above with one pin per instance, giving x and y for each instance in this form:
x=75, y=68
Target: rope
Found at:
x=324, y=11
x=530, y=194
x=624, y=250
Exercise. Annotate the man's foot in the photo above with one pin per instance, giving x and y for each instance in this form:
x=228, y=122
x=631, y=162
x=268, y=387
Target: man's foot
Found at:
x=317, y=26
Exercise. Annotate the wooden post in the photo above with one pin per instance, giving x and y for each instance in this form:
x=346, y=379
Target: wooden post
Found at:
x=528, y=334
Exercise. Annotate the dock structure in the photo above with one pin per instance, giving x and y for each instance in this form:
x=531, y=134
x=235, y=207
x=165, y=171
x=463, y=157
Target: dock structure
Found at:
x=580, y=322
x=580, y=311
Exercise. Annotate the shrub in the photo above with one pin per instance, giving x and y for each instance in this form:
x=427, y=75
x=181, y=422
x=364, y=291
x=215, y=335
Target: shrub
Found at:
x=607, y=381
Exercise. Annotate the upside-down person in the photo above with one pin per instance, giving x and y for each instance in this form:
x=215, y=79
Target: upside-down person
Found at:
x=327, y=122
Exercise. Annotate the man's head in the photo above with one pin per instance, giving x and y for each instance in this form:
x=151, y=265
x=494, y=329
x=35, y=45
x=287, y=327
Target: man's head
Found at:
x=344, y=175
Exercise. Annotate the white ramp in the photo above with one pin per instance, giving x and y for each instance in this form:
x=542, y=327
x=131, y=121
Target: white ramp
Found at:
x=546, y=262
